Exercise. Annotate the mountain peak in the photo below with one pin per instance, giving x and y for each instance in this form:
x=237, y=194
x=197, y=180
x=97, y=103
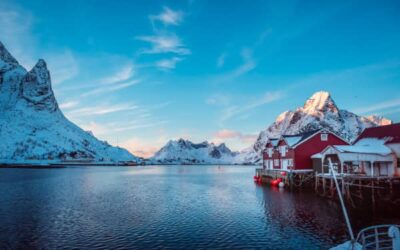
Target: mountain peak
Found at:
x=320, y=101
x=379, y=120
x=6, y=56
x=37, y=89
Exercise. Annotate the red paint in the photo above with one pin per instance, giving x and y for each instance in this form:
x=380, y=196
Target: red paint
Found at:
x=301, y=153
x=392, y=132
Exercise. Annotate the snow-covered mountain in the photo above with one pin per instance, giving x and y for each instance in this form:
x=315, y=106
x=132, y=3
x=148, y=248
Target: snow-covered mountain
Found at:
x=32, y=127
x=186, y=152
x=319, y=111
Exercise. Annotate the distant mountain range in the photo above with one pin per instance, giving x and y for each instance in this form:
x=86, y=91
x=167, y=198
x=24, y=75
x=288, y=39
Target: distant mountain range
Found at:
x=186, y=152
x=33, y=128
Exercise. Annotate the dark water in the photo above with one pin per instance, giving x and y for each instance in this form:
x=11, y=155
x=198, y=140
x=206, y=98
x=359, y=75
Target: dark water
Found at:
x=172, y=207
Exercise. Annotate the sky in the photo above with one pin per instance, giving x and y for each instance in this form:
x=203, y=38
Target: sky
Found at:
x=139, y=73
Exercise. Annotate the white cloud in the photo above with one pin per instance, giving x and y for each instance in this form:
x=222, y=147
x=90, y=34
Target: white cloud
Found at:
x=62, y=66
x=232, y=111
x=142, y=147
x=221, y=60
x=164, y=44
x=248, y=65
x=111, y=88
x=390, y=104
x=218, y=100
x=69, y=104
x=168, y=64
x=225, y=134
x=123, y=74
x=168, y=17
x=101, y=110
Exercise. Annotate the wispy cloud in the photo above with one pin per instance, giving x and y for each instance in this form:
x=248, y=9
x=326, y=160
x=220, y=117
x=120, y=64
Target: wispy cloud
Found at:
x=102, y=89
x=247, y=65
x=218, y=100
x=123, y=74
x=69, y=104
x=221, y=60
x=378, y=107
x=63, y=66
x=168, y=17
x=164, y=44
x=142, y=147
x=224, y=134
x=101, y=110
x=168, y=64
x=234, y=110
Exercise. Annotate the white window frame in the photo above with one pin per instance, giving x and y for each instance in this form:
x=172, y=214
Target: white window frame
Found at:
x=269, y=152
x=324, y=137
x=276, y=162
x=290, y=162
x=283, y=150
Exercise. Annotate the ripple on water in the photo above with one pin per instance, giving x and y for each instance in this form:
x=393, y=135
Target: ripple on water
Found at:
x=171, y=207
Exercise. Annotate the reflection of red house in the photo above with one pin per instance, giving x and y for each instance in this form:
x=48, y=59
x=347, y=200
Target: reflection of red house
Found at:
x=293, y=152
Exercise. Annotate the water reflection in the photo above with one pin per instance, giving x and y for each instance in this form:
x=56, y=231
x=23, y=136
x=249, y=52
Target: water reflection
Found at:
x=154, y=207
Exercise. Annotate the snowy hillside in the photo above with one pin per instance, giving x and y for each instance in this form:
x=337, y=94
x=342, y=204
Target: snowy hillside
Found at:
x=187, y=152
x=32, y=127
x=319, y=111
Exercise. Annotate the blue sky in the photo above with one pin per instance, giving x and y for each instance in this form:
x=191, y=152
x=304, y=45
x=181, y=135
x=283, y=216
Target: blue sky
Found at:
x=138, y=73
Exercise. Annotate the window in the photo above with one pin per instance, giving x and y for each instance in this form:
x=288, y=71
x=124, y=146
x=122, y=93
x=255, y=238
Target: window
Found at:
x=290, y=162
x=283, y=150
x=324, y=137
x=270, y=152
x=276, y=162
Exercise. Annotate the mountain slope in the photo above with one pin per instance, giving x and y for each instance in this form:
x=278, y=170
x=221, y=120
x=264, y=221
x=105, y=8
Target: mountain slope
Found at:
x=319, y=111
x=32, y=127
x=187, y=152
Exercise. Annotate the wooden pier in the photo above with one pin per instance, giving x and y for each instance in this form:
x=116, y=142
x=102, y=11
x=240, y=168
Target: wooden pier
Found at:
x=360, y=189
x=291, y=178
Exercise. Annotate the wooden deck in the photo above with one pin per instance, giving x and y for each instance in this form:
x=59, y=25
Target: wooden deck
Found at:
x=360, y=189
x=291, y=178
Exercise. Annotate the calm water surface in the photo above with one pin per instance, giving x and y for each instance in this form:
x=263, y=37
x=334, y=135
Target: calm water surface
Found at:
x=163, y=207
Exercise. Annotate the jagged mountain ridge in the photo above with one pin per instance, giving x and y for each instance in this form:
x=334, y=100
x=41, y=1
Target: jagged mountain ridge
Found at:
x=186, y=152
x=32, y=127
x=319, y=111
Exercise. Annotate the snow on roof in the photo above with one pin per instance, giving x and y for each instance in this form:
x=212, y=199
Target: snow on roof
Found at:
x=293, y=140
x=366, y=146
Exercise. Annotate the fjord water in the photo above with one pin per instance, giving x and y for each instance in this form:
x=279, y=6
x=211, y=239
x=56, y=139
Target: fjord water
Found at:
x=168, y=207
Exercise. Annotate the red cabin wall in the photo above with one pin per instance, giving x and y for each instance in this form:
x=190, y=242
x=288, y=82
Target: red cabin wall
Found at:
x=313, y=145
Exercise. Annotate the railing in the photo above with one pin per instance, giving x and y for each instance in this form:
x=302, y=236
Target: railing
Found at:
x=379, y=237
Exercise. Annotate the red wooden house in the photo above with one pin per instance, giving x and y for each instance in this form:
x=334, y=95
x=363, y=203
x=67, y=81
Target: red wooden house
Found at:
x=293, y=152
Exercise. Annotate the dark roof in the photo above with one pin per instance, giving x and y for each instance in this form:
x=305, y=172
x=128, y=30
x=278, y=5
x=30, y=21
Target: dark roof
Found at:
x=303, y=136
x=389, y=132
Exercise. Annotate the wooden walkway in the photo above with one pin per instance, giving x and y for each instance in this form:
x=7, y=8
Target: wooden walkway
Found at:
x=358, y=189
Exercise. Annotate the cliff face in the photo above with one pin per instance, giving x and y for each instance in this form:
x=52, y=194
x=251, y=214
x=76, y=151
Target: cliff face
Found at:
x=32, y=127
